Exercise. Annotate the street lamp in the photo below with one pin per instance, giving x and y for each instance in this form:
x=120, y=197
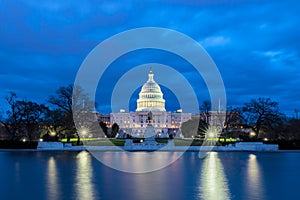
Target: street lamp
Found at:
x=52, y=133
x=252, y=134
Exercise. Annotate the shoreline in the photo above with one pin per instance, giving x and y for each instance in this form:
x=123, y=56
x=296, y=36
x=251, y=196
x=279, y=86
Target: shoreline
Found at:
x=120, y=150
x=153, y=146
x=150, y=147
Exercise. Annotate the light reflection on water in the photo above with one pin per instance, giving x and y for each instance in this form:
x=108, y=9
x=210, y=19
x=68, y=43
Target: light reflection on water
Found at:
x=137, y=162
x=84, y=174
x=53, y=189
x=17, y=172
x=255, y=186
x=213, y=184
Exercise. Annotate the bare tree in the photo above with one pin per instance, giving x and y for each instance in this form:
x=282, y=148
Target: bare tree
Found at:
x=260, y=114
x=63, y=98
x=12, y=122
x=232, y=120
x=114, y=130
x=31, y=116
x=24, y=118
x=204, y=110
x=71, y=101
x=103, y=127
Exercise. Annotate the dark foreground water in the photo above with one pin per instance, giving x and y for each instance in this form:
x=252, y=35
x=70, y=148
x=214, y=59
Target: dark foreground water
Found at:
x=78, y=175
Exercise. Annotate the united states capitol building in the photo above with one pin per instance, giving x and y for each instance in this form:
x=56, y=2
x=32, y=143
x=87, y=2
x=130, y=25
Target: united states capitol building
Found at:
x=164, y=122
x=150, y=100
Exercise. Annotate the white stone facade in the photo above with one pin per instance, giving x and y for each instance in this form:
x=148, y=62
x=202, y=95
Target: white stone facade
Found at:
x=150, y=99
x=135, y=123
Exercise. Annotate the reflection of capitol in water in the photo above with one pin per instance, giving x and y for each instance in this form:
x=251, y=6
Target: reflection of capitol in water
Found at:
x=150, y=99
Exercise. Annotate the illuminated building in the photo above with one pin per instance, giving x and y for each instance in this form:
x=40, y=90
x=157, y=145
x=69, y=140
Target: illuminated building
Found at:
x=150, y=99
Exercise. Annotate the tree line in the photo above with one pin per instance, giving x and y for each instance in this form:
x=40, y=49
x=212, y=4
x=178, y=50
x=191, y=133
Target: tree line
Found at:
x=53, y=120
x=259, y=118
x=255, y=120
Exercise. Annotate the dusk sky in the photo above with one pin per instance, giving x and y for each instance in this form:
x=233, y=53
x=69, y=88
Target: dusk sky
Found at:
x=255, y=44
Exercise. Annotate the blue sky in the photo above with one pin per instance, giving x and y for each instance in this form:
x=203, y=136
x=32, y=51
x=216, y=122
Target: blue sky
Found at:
x=255, y=44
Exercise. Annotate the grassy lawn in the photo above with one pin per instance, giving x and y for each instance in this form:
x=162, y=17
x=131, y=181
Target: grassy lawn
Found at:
x=98, y=142
x=161, y=140
x=185, y=142
x=110, y=142
x=199, y=142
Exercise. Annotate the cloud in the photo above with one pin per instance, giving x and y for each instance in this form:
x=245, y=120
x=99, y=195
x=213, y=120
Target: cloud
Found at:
x=215, y=41
x=280, y=57
x=254, y=43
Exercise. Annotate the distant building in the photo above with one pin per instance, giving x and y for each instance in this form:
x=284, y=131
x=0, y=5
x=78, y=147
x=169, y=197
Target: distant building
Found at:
x=164, y=122
x=105, y=118
x=150, y=99
x=214, y=118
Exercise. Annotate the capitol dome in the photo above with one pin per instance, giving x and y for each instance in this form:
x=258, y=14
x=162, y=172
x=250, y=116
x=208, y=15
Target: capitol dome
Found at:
x=150, y=97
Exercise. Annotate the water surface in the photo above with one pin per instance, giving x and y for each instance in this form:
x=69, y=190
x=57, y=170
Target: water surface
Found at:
x=78, y=175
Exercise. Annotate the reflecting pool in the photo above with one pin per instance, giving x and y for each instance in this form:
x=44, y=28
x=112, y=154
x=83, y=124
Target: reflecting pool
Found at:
x=79, y=175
